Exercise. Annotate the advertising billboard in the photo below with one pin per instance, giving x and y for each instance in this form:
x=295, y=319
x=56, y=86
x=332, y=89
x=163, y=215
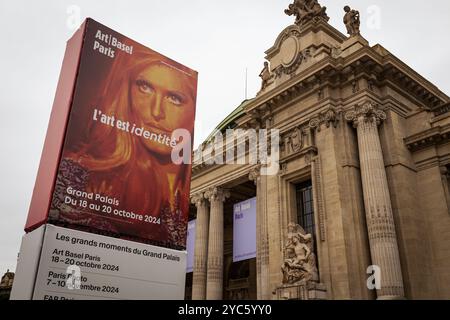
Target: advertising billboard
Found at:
x=244, y=230
x=106, y=166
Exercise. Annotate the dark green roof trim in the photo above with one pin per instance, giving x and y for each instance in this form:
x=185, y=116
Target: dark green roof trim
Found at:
x=230, y=119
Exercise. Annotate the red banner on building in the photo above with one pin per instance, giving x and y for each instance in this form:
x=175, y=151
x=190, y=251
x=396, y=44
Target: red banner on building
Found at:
x=106, y=165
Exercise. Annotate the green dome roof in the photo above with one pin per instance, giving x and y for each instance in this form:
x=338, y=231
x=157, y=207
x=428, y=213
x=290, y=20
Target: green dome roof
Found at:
x=229, y=121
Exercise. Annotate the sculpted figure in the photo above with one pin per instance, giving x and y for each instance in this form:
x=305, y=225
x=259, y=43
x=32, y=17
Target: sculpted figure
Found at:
x=265, y=75
x=300, y=262
x=352, y=21
x=306, y=10
x=296, y=140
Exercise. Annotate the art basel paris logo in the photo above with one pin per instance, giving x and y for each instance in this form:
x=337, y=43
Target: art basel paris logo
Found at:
x=234, y=147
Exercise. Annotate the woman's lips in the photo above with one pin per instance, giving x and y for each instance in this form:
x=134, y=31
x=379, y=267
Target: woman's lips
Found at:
x=157, y=129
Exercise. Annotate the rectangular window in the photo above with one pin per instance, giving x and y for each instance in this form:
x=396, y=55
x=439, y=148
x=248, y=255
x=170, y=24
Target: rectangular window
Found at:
x=305, y=211
x=305, y=207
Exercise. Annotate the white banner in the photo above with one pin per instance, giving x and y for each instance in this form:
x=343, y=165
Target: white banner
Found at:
x=244, y=230
x=80, y=265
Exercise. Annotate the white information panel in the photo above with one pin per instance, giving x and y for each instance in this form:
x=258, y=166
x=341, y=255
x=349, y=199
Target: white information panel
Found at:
x=109, y=268
x=27, y=265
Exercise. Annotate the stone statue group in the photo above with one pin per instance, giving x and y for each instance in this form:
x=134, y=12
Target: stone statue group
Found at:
x=299, y=266
x=307, y=10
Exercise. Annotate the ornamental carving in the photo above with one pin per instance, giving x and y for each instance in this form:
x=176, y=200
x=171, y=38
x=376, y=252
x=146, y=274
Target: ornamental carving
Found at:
x=197, y=199
x=217, y=194
x=255, y=174
x=368, y=112
x=283, y=168
x=296, y=140
x=329, y=118
x=291, y=31
x=292, y=67
x=299, y=266
x=306, y=10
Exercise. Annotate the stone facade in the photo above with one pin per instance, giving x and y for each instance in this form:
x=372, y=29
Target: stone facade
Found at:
x=372, y=136
x=6, y=284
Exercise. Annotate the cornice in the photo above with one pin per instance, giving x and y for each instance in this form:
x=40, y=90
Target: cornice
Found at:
x=366, y=60
x=428, y=138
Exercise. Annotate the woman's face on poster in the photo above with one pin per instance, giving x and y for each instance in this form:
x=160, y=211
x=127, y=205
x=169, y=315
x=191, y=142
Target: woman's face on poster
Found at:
x=162, y=101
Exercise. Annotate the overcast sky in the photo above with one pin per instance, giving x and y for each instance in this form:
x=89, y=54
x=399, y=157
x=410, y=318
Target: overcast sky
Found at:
x=219, y=39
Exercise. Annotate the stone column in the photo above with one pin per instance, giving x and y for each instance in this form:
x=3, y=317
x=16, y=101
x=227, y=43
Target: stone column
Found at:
x=201, y=247
x=262, y=236
x=377, y=200
x=214, y=282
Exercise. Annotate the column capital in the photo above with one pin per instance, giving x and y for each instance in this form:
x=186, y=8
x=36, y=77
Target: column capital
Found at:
x=217, y=194
x=368, y=112
x=255, y=174
x=198, y=199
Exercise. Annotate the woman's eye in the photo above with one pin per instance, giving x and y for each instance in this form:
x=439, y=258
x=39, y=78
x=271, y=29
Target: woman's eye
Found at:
x=144, y=87
x=175, y=99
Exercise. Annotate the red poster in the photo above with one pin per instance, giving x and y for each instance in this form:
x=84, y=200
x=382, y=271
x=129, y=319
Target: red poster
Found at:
x=115, y=175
